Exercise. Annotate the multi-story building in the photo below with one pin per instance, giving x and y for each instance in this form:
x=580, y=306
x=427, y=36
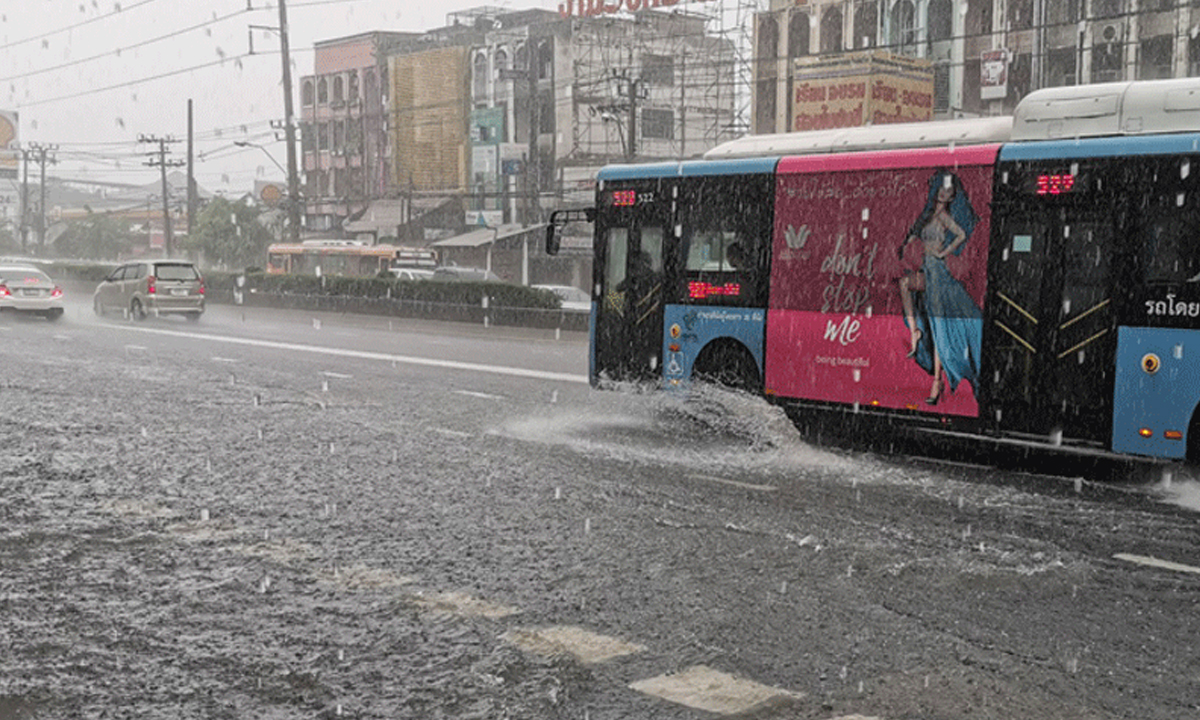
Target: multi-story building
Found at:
x=638, y=87
x=344, y=126
x=983, y=56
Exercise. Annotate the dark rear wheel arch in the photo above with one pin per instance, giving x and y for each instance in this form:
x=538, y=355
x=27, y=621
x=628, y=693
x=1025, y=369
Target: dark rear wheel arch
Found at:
x=727, y=362
x=1193, y=438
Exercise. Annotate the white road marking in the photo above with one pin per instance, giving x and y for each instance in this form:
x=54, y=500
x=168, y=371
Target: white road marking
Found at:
x=364, y=355
x=451, y=433
x=734, y=483
x=1155, y=562
x=587, y=647
x=339, y=376
x=704, y=688
x=224, y=359
x=472, y=393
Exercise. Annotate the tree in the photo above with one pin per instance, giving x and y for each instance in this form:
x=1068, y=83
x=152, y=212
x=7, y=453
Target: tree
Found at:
x=230, y=234
x=98, y=236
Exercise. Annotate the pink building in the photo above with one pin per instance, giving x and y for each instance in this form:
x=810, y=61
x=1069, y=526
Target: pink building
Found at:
x=344, y=126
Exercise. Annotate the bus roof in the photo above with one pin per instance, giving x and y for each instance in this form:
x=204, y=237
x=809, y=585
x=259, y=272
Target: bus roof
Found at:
x=1109, y=109
x=934, y=133
x=688, y=168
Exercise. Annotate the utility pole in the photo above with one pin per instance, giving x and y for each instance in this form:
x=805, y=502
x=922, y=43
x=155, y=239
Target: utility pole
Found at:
x=25, y=155
x=42, y=151
x=191, y=177
x=162, y=162
x=289, y=129
x=532, y=166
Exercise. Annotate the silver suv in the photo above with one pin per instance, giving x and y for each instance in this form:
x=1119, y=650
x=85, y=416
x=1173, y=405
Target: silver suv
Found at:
x=152, y=287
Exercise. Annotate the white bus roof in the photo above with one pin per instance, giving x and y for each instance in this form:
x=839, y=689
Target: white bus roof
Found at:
x=934, y=133
x=1126, y=108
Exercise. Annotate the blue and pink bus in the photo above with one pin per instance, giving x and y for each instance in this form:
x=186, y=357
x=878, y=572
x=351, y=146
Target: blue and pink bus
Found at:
x=1034, y=280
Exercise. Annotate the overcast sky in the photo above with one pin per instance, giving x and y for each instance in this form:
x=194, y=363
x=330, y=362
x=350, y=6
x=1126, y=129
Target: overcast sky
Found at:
x=93, y=75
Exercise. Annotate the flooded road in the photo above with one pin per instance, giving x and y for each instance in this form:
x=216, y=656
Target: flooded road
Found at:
x=203, y=529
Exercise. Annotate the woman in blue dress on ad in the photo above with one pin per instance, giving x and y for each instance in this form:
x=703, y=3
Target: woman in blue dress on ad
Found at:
x=945, y=325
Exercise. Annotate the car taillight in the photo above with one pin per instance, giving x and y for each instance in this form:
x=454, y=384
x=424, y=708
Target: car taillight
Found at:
x=200, y=290
x=4, y=291
x=56, y=292
x=150, y=287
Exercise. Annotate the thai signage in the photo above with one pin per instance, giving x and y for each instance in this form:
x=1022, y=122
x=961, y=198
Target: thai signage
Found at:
x=993, y=74
x=592, y=8
x=860, y=89
x=10, y=153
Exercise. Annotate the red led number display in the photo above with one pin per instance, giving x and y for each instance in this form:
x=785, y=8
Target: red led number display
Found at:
x=624, y=198
x=702, y=290
x=1055, y=184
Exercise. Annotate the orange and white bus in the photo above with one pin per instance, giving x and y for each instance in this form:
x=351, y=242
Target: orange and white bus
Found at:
x=344, y=257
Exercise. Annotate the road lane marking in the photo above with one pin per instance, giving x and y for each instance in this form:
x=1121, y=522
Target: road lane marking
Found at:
x=461, y=604
x=473, y=393
x=1155, y=562
x=451, y=433
x=704, y=688
x=339, y=376
x=734, y=483
x=224, y=359
x=585, y=646
x=364, y=355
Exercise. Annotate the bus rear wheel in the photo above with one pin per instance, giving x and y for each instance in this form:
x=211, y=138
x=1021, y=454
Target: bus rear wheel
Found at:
x=729, y=364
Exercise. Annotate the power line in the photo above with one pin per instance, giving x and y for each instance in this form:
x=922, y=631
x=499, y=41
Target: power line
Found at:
x=127, y=48
x=81, y=23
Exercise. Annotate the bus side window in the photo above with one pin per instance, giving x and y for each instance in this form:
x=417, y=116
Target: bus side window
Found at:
x=1171, y=249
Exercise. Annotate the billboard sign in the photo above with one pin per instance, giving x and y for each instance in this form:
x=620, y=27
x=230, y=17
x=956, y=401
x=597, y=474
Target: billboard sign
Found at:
x=10, y=153
x=860, y=89
x=993, y=75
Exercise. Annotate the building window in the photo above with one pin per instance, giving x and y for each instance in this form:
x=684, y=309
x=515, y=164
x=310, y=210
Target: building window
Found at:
x=1020, y=14
x=1106, y=61
x=323, y=136
x=941, y=87
x=322, y=92
x=658, y=124
x=339, y=89
x=941, y=20
x=339, y=136
x=798, y=35
x=866, y=24
x=1106, y=8
x=1064, y=11
x=658, y=70
x=764, y=106
x=307, y=141
x=831, y=31
x=971, y=100
x=904, y=28
x=306, y=92
x=1060, y=67
x=768, y=39
x=353, y=86
x=480, y=79
x=545, y=68
x=1156, y=58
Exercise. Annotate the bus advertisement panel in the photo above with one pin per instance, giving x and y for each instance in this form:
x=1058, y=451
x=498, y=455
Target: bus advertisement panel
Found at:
x=878, y=279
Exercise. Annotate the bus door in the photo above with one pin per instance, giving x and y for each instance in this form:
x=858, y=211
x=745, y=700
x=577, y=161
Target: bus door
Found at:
x=1050, y=333
x=632, y=226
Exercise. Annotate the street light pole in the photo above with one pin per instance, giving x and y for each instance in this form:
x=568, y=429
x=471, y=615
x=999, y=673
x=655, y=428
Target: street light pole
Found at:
x=248, y=144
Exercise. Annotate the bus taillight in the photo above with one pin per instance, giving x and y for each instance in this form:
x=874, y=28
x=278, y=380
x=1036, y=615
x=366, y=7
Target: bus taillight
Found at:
x=1146, y=433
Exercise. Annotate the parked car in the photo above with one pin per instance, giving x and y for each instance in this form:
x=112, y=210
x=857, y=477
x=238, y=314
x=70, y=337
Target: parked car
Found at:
x=411, y=273
x=455, y=273
x=25, y=289
x=572, y=297
x=152, y=287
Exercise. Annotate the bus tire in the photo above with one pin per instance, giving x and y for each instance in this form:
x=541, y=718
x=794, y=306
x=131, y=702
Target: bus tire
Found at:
x=727, y=363
x=1193, y=439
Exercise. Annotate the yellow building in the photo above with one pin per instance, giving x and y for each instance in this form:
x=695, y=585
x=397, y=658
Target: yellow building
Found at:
x=429, y=118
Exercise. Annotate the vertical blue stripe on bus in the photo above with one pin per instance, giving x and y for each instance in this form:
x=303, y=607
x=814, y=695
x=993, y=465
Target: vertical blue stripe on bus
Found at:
x=1158, y=402
x=689, y=328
